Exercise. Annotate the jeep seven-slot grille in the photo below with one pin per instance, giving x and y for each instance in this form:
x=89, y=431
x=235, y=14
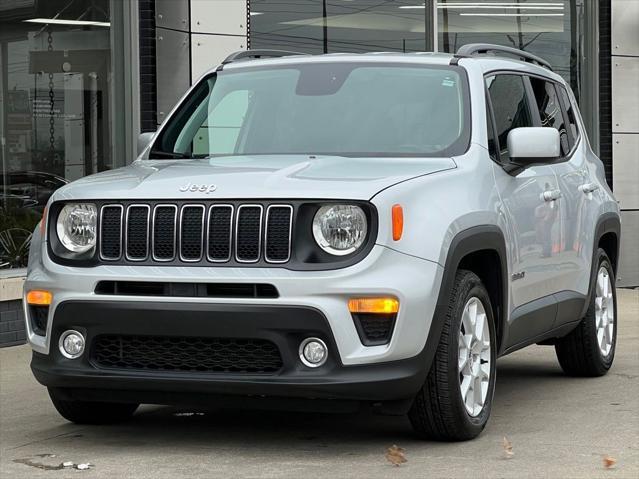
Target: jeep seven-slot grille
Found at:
x=217, y=233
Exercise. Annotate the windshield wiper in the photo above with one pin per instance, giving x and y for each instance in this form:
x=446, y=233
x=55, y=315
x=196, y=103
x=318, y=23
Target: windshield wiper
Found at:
x=168, y=154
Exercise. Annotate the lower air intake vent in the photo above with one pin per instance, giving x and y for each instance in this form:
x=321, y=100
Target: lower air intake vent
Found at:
x=186, y=354
x=374, y=329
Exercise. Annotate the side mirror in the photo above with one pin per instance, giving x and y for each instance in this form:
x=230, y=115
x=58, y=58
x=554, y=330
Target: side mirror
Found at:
x=143, y=141
x=531, y=146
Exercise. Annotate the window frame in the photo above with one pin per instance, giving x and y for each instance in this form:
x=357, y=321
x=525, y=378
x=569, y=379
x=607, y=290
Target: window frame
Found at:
x=536, y=117
x=575, y=139
x=527, y=89
x=555, y=85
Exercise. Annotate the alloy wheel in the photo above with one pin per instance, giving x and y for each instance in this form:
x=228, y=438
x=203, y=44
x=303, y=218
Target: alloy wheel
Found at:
x=604, y=312
x=474, y=356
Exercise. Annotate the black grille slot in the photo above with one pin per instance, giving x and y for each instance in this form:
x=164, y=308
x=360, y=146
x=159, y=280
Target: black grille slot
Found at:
x=164, y=232
x=137, y=232
x=374, y=329
x=111, y=232
x=191, y=226
x=196, y=290
x=278, y=233
x=187, y=354
x=249, y=232
x=220, y=224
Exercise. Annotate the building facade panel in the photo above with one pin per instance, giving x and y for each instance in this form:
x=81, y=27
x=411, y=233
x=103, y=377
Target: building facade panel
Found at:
x=625, y=32
x=625, y=150
x=224, y=17
x=625, y=130
x=172, y=14
x=625, y=99
x=173, y=65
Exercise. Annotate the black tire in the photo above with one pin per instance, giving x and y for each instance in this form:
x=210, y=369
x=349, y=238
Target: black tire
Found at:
x=89, y=412
x=438, y=411
x=578, y=352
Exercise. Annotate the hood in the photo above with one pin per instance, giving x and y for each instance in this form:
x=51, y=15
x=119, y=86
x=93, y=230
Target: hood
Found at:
x=259, y=177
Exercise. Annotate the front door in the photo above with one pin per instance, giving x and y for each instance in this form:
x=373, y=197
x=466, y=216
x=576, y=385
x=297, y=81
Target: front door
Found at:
x=531, y=204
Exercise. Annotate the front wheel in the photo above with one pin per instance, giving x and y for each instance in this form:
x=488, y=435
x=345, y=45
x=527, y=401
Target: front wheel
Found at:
x=590, y=348
x=454, y=403
x=89, y=412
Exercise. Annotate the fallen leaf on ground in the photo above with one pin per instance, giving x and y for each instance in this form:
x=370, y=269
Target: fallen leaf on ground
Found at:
x=609, y=462
x=395, y=455
x=508, y=448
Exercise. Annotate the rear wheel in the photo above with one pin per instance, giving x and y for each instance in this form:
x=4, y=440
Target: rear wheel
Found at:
x=454, y=403
x=89, y=412
x=590, y=348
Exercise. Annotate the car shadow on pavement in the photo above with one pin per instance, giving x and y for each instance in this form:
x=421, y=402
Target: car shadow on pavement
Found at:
x=200, y=427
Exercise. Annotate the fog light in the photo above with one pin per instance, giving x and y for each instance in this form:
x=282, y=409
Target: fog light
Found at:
x=313, y=352
x=71, y=344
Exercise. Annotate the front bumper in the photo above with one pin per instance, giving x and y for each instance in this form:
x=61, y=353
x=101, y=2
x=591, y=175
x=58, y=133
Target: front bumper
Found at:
x=413, y=281
x=310, y=303
x=284, y=326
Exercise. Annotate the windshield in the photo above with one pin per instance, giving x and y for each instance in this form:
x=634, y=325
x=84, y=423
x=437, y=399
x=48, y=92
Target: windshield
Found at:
x=343, y=109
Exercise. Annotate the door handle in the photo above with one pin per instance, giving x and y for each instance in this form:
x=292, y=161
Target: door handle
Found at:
x=551, y=195
x=588, y=187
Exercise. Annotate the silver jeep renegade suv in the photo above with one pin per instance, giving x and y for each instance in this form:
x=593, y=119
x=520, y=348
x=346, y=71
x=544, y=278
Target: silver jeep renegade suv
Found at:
x=340, y=231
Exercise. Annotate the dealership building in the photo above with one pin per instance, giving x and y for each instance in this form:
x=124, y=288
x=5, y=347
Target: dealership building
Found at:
x=80, y=79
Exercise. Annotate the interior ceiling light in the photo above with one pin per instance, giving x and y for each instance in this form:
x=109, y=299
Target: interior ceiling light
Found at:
x=511, y=14
x=60, y=21
x=503, y=5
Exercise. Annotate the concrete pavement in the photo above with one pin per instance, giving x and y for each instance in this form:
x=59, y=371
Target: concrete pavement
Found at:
x=558, y=426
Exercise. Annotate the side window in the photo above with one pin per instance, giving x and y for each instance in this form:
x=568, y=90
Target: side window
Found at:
x=550, y=111
x=510, y=106
x=570, y=113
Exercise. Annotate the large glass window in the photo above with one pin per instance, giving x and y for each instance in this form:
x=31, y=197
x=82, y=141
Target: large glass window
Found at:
x=325, y=26
x=553, y=30
x=345, y=109
x=56, y=84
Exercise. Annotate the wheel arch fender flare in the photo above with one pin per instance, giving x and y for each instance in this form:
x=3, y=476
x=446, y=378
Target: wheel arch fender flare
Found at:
x=607, y=223
x=468, y=241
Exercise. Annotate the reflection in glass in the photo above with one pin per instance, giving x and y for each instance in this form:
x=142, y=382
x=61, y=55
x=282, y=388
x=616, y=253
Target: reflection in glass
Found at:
x=552, y=29
x=321, y=26
x=338, y=108
x=55, y=94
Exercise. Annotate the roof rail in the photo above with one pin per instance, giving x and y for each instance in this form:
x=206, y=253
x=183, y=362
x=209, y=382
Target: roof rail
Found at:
x=250, y=54
x=473, y=49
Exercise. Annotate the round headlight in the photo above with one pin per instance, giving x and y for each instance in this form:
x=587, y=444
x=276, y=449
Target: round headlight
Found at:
x=77, y=225
x=339, y=229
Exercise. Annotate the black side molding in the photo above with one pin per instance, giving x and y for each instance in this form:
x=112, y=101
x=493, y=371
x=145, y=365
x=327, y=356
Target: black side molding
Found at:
x=607, y=223
x=471, y=240
x=547, y=317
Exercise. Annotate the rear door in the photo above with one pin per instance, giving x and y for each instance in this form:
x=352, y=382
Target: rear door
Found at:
x=530, y=217
x=577, y=208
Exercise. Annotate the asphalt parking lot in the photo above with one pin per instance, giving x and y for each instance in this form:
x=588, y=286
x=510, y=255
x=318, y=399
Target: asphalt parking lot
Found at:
x=558, y=427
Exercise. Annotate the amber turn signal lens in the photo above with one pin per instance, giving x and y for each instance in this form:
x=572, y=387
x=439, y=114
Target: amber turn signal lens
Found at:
x=373, y=305
x=398, y=222
x=39, y=298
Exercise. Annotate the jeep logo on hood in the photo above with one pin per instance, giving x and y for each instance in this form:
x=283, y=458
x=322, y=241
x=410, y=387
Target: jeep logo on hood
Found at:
x=194, y=188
